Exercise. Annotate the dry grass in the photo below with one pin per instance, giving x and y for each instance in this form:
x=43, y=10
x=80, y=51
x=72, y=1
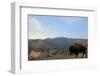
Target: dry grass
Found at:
x=62, y=56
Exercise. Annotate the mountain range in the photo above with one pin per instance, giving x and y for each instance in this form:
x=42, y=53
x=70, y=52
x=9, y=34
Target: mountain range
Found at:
x=55, y=43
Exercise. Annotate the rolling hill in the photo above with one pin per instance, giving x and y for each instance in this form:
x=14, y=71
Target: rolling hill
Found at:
x=55, y=43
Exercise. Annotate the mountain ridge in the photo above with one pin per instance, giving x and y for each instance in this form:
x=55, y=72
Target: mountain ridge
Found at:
x=55, y=43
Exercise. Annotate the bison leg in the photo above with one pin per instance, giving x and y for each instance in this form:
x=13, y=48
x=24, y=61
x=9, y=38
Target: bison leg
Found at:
x=83, y=55
x=76, y=55
x=86, y=54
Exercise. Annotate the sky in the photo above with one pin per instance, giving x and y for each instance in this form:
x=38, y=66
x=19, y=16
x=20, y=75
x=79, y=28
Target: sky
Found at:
x=42, y=27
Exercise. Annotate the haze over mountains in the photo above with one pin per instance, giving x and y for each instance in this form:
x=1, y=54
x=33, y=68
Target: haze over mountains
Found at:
x=55, y=43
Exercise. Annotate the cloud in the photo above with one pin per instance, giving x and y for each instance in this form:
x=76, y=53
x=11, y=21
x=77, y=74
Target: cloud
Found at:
x=35, y=25
x=60, y=34
x=36, y=30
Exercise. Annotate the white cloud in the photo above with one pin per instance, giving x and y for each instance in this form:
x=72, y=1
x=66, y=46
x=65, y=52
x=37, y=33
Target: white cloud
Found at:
x=37, y=31
x=35, y=24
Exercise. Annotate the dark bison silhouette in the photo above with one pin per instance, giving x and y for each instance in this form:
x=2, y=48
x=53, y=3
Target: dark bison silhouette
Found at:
x=78, y=48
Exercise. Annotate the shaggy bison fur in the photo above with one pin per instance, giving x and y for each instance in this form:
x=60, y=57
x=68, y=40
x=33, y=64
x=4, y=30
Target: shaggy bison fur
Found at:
x=78, y=48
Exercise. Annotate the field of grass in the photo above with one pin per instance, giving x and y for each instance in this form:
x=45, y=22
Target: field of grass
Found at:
x=61, y=56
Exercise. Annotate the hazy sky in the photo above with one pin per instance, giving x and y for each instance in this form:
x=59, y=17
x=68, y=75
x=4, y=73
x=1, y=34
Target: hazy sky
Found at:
x=41, y=27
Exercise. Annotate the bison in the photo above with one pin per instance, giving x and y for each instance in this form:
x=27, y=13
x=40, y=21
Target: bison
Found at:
x=78, y=48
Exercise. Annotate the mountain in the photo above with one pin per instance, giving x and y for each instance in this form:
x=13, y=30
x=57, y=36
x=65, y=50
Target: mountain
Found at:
x=55, y=43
